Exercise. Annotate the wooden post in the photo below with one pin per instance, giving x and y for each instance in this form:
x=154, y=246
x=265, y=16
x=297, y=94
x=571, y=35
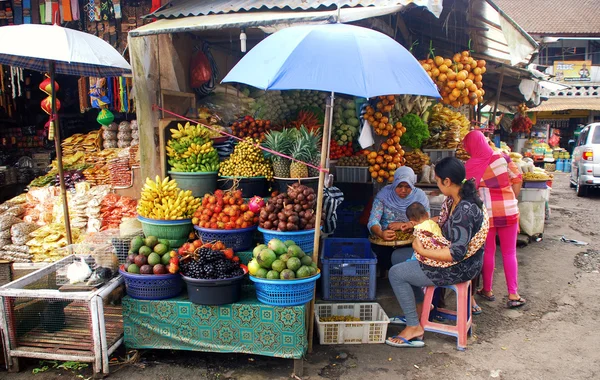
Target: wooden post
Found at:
x=61, y=177
x=145, y=67
x=324, y=161
x=498, y=93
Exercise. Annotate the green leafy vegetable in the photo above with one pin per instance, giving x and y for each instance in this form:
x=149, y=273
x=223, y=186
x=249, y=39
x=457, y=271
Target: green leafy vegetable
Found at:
x=416, y=131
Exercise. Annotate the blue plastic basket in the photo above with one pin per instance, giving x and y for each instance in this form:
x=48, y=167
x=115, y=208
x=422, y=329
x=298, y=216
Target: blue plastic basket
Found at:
x=238, y=240
x=349, y=270
x=285, y=292
x=152, y=287
x=303, y=239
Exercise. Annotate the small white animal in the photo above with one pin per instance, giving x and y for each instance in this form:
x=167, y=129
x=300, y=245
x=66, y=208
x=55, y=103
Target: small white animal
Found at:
x=78, y=271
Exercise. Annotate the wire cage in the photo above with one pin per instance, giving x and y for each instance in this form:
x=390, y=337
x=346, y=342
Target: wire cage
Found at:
x=100, y=258
x=120, y=243
x=39, y=321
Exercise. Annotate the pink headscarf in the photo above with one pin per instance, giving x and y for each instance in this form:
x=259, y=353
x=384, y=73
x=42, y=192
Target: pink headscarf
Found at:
x=475, y=143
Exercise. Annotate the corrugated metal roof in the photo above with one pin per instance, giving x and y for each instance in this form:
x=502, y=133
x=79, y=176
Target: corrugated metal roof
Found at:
x=184, y=8
x=269, y=22
x=564, y=104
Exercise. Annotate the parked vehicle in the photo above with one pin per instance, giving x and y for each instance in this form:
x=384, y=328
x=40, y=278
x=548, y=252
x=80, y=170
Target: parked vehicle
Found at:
x=585, y=164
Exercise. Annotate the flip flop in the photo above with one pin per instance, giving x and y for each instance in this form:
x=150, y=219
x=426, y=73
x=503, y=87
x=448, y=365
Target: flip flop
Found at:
x=481, y=294
x=399, y=320
x=476, y=310
x=513, y=304
x=406, y=343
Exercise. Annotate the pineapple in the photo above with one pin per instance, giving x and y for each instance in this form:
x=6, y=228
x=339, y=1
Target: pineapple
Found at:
x=314, y=143
x=300, y=151
x=282, y=143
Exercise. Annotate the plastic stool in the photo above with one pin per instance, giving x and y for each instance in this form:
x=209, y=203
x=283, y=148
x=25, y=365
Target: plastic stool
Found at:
x=462, y=316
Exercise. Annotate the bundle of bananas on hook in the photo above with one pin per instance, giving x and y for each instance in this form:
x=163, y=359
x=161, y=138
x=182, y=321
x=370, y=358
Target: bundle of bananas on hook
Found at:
x=163, y=200
x=190, y=149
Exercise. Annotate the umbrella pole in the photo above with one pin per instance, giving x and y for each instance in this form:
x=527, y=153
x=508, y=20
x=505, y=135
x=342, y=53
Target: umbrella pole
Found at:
x=324, y=163
x=61, y=178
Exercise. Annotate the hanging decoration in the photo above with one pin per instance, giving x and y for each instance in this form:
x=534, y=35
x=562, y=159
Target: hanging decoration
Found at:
x=46, y=86
x=105, y=117
x=47, y=105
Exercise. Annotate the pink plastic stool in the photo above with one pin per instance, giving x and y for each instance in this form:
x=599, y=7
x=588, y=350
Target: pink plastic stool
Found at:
x=462, y=315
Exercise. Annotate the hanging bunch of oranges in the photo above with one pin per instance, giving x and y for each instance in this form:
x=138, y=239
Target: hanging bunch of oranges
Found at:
x=460, y=79
x=379, y=116
x=386, y=160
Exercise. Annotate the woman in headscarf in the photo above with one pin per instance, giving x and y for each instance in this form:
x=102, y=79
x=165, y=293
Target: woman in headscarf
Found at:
x=388, y=214
x=499, y=182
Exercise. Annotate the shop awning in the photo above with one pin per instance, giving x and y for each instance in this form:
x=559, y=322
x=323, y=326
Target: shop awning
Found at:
x=269, y=21
x=564, y=104
x=188, y=8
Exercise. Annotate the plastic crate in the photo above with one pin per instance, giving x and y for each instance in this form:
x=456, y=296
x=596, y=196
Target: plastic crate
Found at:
x=436, y=155
x=353, y=174
x=349, y=270
x=372, y=327
x=348, y=223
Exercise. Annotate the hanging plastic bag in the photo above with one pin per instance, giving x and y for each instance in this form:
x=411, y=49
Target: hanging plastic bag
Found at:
x=200, y=70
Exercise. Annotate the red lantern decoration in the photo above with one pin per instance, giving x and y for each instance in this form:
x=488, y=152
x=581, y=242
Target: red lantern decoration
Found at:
x=46, y=86
x=47, y=105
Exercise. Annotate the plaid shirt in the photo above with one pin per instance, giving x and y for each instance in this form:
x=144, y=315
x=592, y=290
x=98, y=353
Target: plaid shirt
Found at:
x=497, y=194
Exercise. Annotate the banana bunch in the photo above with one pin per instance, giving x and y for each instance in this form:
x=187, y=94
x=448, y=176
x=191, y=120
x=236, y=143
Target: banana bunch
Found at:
x=163, y=200
x=190, y=149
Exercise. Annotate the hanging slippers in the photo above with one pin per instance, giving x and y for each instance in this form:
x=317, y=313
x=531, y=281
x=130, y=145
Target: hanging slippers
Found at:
x=406, y=343
x=513, y=304
x=482, y=294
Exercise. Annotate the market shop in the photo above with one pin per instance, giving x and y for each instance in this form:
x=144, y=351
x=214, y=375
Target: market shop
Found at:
x=230, y=207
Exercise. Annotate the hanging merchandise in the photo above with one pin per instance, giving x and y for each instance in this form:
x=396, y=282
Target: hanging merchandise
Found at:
x=16, y=77
x=200, y=71
x=47, y=105
x=209, y=86
x=83, y=86
x=98, y=96
x=105, y=117
x=46, y=86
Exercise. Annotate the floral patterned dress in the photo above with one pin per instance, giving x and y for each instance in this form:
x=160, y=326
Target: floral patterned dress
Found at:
x=460, y=229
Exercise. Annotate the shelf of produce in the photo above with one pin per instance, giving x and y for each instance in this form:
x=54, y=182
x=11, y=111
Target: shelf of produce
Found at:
x=247, y=326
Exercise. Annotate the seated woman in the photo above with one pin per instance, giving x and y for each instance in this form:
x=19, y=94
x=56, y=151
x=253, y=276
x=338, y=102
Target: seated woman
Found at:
x=388, y=214
x=464, y=224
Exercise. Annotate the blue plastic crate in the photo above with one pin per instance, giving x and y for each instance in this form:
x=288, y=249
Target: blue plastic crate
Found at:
x=349, y=270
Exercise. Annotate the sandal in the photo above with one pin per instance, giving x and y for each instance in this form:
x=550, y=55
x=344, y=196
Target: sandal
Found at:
x=476, y=310
x=406, y=343
x=481, y=294
x=513, y=304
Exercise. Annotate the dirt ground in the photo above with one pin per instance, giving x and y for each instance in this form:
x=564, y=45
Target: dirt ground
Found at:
x=555, y=336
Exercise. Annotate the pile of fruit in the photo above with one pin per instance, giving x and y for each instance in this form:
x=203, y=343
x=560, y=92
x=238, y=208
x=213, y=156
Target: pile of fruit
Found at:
x=416, y=160
x=460, y=79
x=445, y=128
x=345, y=122
x=386, y=160
x=461, y=153
x=277, y=106
x=190, y=149
x=151, y=256
x=379, y=117
x=224, y=210
x=209, y=261
x=337, y=151
x=358, y=160
x=536, y=176
x=291, y=211
x=306, y=147
x=281, y=261
x=405, y=104
x=163, y=200
x=247, y=160
x=249, y=127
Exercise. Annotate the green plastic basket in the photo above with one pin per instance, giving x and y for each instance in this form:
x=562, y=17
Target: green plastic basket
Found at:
x=199, y=183
x=176, y=231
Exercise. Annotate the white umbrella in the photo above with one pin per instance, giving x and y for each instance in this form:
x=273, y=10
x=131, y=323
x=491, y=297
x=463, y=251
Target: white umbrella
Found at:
x=54, y=49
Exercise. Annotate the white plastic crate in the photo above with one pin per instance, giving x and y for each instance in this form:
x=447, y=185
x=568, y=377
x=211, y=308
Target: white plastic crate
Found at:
x=353, y=174
x=372, y=327
x=534, y=195
x=436, y=155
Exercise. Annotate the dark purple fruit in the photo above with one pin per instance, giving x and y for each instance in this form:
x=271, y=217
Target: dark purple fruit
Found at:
x=146, y=269
x=140, y=260
x=159, y=269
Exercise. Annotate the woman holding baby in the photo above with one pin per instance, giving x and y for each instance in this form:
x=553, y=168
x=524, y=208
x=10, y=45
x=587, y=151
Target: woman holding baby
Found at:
x=464, y=226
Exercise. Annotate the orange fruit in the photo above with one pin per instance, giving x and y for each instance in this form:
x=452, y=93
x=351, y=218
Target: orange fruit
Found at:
x=479, y=84
x=460, y=84
x=465, y=53
x=438, y=60
x=447, y=62
x=451, y=75
x=441, y=79
x=435, y=72
x=378, y=115
x=468, y=83
x=457, y=57
x=483, y=70
x=477, y=71
x=452, y=98
x=462, y=75
x=465, y=100
x=387, y=108
x=464, y=92
x=452, y=84
x=455, y=104
x=391, y=98
x=481, y=63
x=384, y=120
x=479, y=78
x=385, y=102
x=443, y=68
x=456, y=92
x=374, y=174
x=468, y=67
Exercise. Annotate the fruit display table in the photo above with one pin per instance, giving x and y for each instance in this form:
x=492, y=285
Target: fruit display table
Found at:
x=247, y=326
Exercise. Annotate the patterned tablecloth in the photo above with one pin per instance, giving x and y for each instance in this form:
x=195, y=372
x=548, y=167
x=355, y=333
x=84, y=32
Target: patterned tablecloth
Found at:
x=244, y=327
